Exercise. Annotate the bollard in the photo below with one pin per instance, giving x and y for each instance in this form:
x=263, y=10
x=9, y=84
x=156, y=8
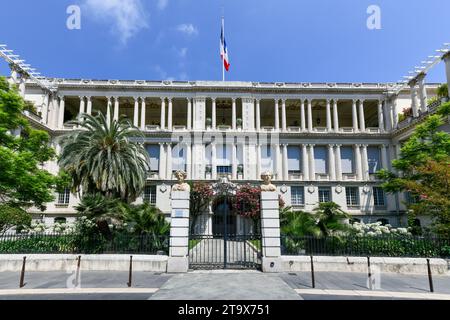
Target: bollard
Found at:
x=370, y=273
x=130, y=274
x=77, y=276
x=22, y=273
x=430, y=276
x=313, y=280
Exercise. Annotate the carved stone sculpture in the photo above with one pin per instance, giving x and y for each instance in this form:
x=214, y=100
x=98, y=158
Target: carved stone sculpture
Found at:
x=267, y=182
x=181, y=185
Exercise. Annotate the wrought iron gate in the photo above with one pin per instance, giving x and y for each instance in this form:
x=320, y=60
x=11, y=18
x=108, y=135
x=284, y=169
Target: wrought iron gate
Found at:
x=225, y=247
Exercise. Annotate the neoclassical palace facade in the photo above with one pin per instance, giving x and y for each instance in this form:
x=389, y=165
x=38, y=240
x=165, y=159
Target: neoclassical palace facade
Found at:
x=322, y=141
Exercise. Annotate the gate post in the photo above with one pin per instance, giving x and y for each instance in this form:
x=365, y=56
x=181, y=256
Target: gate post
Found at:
x=270, y=226
x=179, y=228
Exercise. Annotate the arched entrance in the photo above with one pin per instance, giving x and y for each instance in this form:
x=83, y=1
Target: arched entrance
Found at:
x=230, y=245
x=224, y=220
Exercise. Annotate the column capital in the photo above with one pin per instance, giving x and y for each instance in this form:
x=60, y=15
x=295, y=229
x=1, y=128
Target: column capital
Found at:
x=355, y=100
x=331, y=145
x=335, y=100
x=329, y=100
x=60, y=96
x=213, y=99
x=136, y=98
x=361, y=101
x=116, y=98
x=357, y=145
x=364, y=145
x=163, y=99
x=338, y=146
x=311, y=145
x=170, y=99
x=81, y=97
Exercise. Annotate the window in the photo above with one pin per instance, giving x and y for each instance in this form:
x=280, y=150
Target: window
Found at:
x=150, y=194
x=64, y=197
x=374, y=159
x=224, y=170
x=60, y=220
x=321, y=160
x=347, y=160
x=411, y=198
x=294, y=159
x=383, y=221
x=378, y=197
x=266, y=158
x=178, y=159
x=153, y=153
x=297, y=196
x=352, y=196
x=324, y=194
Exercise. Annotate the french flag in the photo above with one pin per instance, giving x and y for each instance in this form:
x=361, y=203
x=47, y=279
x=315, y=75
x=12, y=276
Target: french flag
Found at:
x=223, y=49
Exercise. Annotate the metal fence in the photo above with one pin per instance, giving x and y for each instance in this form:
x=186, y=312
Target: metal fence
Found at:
x=75, y=244
x=381, y=246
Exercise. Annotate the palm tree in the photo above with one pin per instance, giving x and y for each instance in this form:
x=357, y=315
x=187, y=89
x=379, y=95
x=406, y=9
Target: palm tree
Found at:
x=330, y=218
x=145, y=219
x=298, y=223
x=104, y=157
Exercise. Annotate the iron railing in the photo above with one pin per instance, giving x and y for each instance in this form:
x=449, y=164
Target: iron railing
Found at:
x=76, y=244
x=381, y=246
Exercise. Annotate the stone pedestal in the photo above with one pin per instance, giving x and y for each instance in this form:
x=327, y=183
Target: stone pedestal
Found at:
x=270, y=232
x=179, y=233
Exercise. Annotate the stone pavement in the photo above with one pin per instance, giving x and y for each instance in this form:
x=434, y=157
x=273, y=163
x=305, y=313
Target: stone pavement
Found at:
x=218, y=284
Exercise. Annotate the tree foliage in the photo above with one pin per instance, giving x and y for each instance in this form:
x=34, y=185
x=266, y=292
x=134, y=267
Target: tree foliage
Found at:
x=12, y=217
x=104, y=157
x=423, y=170
x=23, y=182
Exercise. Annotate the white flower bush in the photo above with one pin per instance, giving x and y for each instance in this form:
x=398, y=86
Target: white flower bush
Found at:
x=376, y=229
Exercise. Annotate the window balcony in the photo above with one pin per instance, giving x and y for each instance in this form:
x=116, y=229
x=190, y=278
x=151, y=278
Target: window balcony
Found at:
x=153, y=175
x=267, y=129
x=349, y=177
x=223, y=128
x=322, y=177
x=295, y=175
x=320, y=129
x=179, y=128
x=347, y=130
x=152, y=128
x=294, y=129
x=373, y=130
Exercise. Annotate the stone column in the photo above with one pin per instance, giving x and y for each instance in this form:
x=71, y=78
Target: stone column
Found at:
x=305, y=161
x=331, y=163
x=270, y=232
x=285, y=163
x=233, y=161
x=384, y=161
x=136, y=112
x=335, y=115
x=277, y=114
x=446, y=58
x=365, y=163
x=414, y=101
x=312, y=166
x=258, y=161
x=233, y=114
x=329, y=124
x=283, y=115
x=214, y=114
x=278, y=157
x=89, y=105
x=338, y=163
x=380, y=116
x=162, y=158
x=170, y=115
x=22, y=85
x=108, y=110
x=302, y=115
x=422, y=92
x=45, y=108
x=179, y=233
x=163, y=113
x=169, y=162
x=258, y=116
x=359, y=170
x=116, y=108
x=54, y=111
x=389, y=116
x=394, y=113
x=82, y=106
x=189, y=160
x=310, y=121
x=213, y=161
x=143, y=111
x=362, y=120
x=354, y=116
x=189, y=114
x=61, y=112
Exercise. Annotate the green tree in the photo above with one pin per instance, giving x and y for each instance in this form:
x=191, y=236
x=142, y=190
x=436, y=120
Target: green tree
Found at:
x=23, y=182
x=199, y=199
x=421, y=168
x=105, y=157
x=13, y=217
x=330, y=218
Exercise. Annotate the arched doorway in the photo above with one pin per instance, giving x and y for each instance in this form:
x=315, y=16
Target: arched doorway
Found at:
x=224, y=221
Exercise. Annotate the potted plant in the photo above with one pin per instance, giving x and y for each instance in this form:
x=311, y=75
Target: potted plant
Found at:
x=239, y=122
x=208, y=122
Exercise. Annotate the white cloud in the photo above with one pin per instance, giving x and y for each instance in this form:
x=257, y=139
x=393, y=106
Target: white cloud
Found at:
x=128, y=17
x=162, y=4
x=183, y=52
x=188, y=29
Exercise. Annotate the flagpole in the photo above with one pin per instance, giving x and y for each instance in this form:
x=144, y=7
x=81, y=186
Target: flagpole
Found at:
x=223, y=57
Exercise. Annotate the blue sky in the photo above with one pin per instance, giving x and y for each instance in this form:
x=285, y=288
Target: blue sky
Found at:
x=268, y=40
